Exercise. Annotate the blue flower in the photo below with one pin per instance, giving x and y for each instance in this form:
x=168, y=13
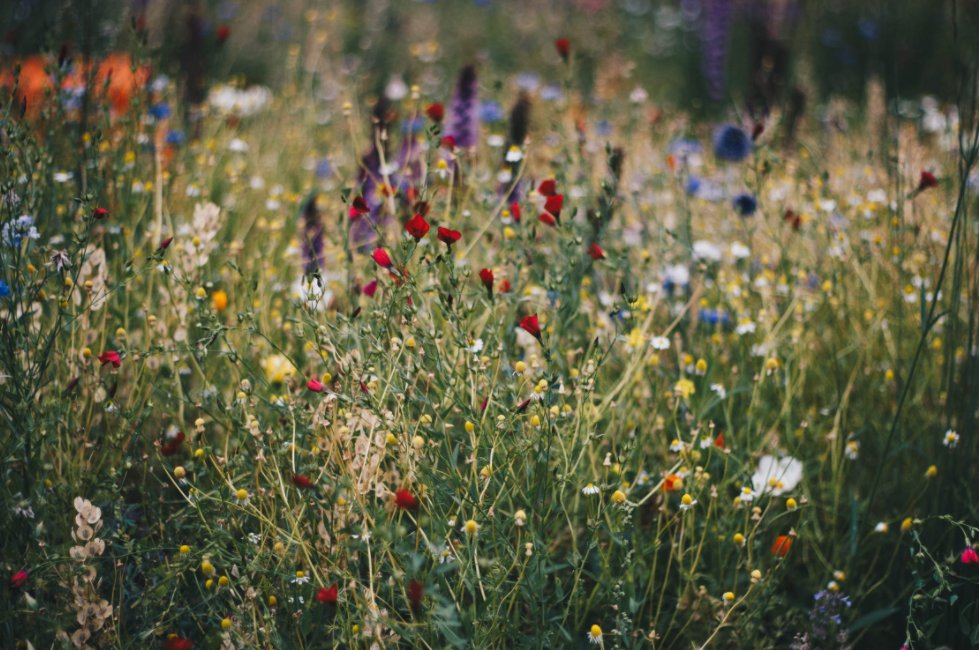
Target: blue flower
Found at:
x=4, y=289
x=731, y=143
x=176, y=138
x=412, y=126
x=693, y=185
x=490, y=112
x=603, y=128
x=714, y=317
x=160, y=111
x=323, y=168
x=745, y=204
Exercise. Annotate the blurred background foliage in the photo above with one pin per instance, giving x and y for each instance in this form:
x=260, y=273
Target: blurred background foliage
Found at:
x=676, y=49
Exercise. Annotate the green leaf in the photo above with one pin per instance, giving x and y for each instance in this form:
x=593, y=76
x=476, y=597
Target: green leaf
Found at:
x=873, y=617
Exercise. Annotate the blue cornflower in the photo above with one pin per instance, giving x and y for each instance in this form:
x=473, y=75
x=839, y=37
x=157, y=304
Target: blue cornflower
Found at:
x=4, y=289
x=731, y=143
x=160, y=111
x=323, y=168
x=176, y=138
x=693, y=185
x=490, y=112
x=745, y=204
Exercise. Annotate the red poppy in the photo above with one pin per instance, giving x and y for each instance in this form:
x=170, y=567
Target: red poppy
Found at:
x=547, y=188
x=969, y=556
x=405, y=500
x=370, y=288
x=596, y=252
x=100, y=213
x=314, y=385
x=563, y=47
x=486, y=277
x=171, y=443
x=927, y=180
x=19, y=579
x=110, y=356
x=165, y=244
x=719, y=441
x=382, y=258
x=531, y=325
x=553, y=204
x=449, y=237
x=358, y=208
x=449, y=142
x=671, y=482
x=177, y=643
x=416, y=593
x=435, y=112
x=222, y=33
x=417, y=227
x=548, y=218
x=302, y=481
x=782, y=546
x=515, y=211
x=327, y=595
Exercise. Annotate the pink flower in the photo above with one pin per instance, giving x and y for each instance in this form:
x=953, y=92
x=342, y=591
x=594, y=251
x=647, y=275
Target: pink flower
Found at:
x=315, y=386
x=969, y=556
x=19, y=579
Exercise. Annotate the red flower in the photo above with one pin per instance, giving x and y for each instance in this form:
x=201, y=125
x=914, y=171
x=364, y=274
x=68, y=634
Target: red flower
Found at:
x=782, y=546
x=522, y=406
x=177, y=643
x=405, y=500
x=165, y=244
x=547, y=188
x=422, y=208
x=358, y=208
x=435, y=112
x=486, y=277
x=553, y=204
x=563, y=47
x=792, y=217
x=515, y=211
x=926, y=181
x=505, y=286
x=969, y=556
x=327, y=595
x=171, y=443
x=100, y=213
x=19, y=579
x=719, y=441
x=110, y=356
x=416, y=593
x=596, y=252
x=449, y=237
x=531, y=325
x=314, y=385
x=417, y=227
x=302, y=481
x=449, y=142
x=222, y=33
x=370, y=288
x=382, y=258
x=548, y=218
x=671, y=482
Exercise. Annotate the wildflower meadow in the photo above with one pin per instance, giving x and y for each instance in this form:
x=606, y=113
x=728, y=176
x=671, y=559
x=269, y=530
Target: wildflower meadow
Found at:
x=492, y=324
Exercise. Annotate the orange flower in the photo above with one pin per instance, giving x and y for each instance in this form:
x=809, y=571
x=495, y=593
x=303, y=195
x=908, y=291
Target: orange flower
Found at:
x=782, y=545
x=123, y=81
x=672, y=482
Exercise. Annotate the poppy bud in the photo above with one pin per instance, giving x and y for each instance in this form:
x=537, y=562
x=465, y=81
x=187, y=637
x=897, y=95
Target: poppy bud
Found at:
x=100, y=213
x=531, y=325
x=382, y=258
x=596, y=252
x=486, y=277
x=448, y=236
x=563, y=47
x=302, y=481
x=327, y=595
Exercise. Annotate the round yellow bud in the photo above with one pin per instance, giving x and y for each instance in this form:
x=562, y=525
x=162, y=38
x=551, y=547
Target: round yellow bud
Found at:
x=410, y=343
x=932, y=471
x=418, y=442
x=728, y=596
x=391, y=439
x=618, y=497
x=273, y=601
x=279, y=548
x=470, y=527
x=198, y=453
x=225, y=624
x=686, y=499
x=906, y=524
x=179, y=472
x=791, y=503
x=520, y=367
x=241, y=494
x=738, y=539
x=206, y=567
x=223, y=581
x=184, y=549
x=470, y=427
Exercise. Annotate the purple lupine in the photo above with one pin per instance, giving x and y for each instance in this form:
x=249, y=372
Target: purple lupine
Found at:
x=313, y=232
x=718, y=18
x=369, y=178
x=464, y=110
